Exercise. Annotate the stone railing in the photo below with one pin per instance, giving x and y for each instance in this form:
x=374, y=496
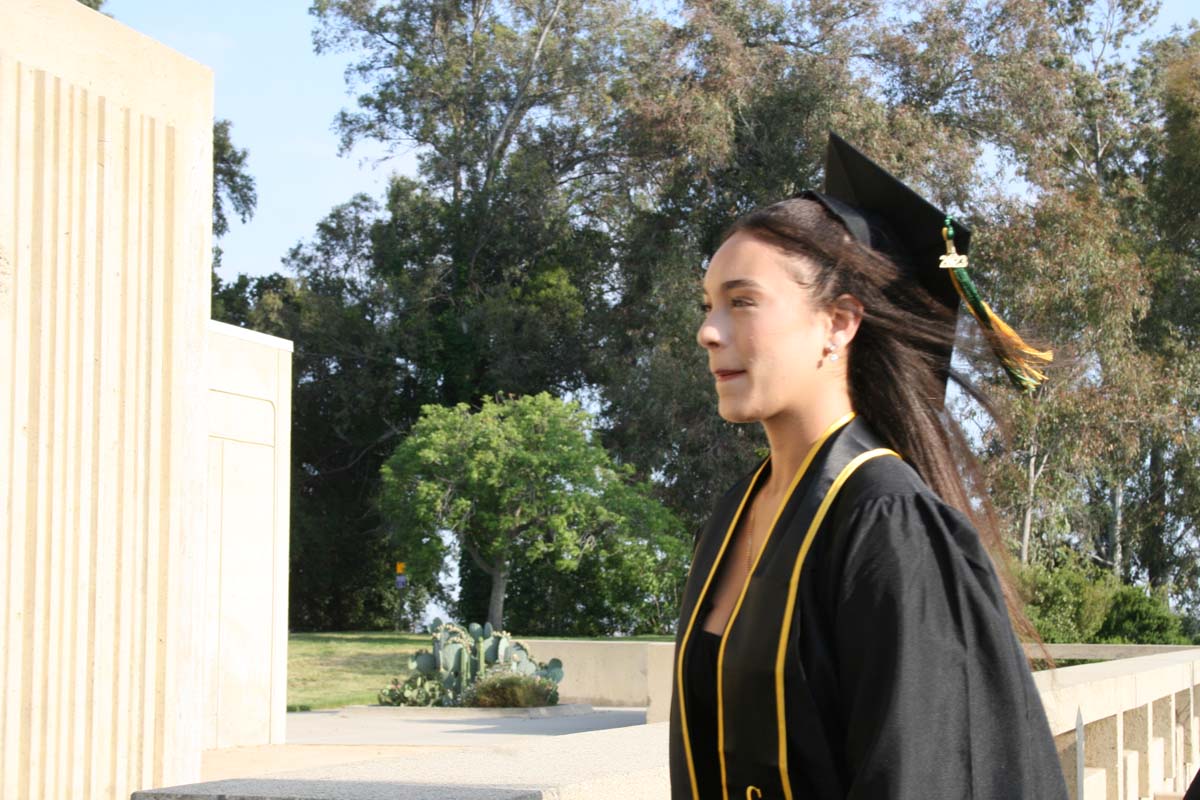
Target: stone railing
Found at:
x=1125, y=729
x=1136, y=711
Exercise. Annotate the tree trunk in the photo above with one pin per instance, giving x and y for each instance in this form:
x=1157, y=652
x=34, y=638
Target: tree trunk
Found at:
x=1154, y=547
x=1027, y=523
x=496, y=602
x=1114, y=533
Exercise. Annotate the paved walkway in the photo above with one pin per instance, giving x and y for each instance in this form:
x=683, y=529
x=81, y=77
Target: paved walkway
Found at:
x=317, y=739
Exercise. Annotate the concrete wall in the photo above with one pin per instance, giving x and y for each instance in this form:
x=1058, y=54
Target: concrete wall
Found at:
x=611, y=673
x=246, y=594
x=105, y=216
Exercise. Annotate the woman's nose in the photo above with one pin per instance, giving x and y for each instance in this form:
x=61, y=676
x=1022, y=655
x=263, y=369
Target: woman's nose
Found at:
x=708, y=335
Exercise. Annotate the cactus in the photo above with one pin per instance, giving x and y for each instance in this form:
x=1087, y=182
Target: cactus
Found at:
x=450, y=656
x=423, y=662
x=551, y=670
x=458, y=659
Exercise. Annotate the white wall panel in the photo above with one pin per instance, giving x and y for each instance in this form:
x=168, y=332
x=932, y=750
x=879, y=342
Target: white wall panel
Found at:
x=250, y=379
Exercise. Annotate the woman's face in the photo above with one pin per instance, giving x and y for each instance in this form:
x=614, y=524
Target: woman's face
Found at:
x=766, y=343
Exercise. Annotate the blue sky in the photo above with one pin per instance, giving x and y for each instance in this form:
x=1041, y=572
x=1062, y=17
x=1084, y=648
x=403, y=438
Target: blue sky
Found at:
x=282, y=99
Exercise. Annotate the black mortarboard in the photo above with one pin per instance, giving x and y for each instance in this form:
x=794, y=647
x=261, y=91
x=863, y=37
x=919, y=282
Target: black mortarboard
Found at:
x=883, y=213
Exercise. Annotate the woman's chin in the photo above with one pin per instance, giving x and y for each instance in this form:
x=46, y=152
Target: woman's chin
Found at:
x=736, y=412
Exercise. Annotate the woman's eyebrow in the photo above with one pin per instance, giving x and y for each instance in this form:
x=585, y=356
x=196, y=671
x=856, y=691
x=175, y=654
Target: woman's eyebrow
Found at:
x=737, y=283
x=740, y=283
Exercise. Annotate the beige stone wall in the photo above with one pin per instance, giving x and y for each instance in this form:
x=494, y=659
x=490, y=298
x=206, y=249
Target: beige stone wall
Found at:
x=607, y=673
x=246, y=597
x=105, y=216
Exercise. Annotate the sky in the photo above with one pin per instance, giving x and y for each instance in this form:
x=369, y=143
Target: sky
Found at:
x=282, y=99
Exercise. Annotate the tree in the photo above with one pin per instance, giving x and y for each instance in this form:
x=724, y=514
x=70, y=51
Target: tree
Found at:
x=232, y=184
x=516, y=482
x=512, y=106
x=579, y=161
x=629, y=583
x=496, y=260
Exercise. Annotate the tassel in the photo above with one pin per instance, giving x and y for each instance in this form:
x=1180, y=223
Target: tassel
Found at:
x=1020, y=361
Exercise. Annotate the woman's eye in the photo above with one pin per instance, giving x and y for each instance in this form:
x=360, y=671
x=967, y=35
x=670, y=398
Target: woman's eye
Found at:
x=741, y=302
x=705, y=307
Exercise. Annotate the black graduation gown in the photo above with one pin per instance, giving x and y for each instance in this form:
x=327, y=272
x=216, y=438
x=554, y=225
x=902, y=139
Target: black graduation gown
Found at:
x=869, y=656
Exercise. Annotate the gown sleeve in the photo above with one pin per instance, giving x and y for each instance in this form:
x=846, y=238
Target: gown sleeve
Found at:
x=936, y=696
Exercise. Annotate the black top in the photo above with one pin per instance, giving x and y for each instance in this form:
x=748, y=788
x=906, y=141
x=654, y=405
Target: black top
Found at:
x=702, y=693
x=870, y=655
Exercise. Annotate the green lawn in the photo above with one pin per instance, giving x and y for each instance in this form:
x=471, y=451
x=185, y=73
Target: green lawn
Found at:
x=331, y=670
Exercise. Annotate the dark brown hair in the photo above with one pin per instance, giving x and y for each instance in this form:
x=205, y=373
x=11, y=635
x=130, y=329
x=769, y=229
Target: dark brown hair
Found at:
x=896, y=362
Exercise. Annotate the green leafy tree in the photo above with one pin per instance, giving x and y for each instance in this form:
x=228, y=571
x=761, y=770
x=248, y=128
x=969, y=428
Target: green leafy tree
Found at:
x=496, y=259
x=627, y=583
x=517, y=481
x=512, y=106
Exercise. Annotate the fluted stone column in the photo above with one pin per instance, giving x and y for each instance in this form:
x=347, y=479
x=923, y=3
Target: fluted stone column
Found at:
x=105, y=218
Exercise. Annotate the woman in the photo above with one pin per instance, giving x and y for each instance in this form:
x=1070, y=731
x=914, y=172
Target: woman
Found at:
x=843, y=631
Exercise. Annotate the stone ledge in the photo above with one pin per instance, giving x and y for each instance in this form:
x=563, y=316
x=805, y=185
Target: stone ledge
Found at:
x=629, y=763
x=435, y=713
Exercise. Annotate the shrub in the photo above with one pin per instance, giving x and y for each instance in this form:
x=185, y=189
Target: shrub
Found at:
x=418, y=690
x=1067, y=603
x=1139, y=618
x=504, y=689
x=1075, y=602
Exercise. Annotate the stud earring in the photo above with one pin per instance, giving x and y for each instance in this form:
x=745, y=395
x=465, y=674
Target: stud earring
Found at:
x=831, y=349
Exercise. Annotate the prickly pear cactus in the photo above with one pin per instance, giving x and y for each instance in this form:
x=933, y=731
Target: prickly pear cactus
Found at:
x=423, y=662
x=459, y=658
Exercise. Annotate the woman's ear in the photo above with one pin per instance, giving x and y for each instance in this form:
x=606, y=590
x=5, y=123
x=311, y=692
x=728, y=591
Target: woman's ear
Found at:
x=845, y=315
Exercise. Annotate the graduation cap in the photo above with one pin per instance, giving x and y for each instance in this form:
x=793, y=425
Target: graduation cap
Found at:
x=884, y=214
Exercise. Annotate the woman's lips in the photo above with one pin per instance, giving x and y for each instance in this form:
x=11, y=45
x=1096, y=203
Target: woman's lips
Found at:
x=728, y=374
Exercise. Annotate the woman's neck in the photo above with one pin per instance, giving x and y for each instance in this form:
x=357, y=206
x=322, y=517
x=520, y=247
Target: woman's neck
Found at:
x=792, y=435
